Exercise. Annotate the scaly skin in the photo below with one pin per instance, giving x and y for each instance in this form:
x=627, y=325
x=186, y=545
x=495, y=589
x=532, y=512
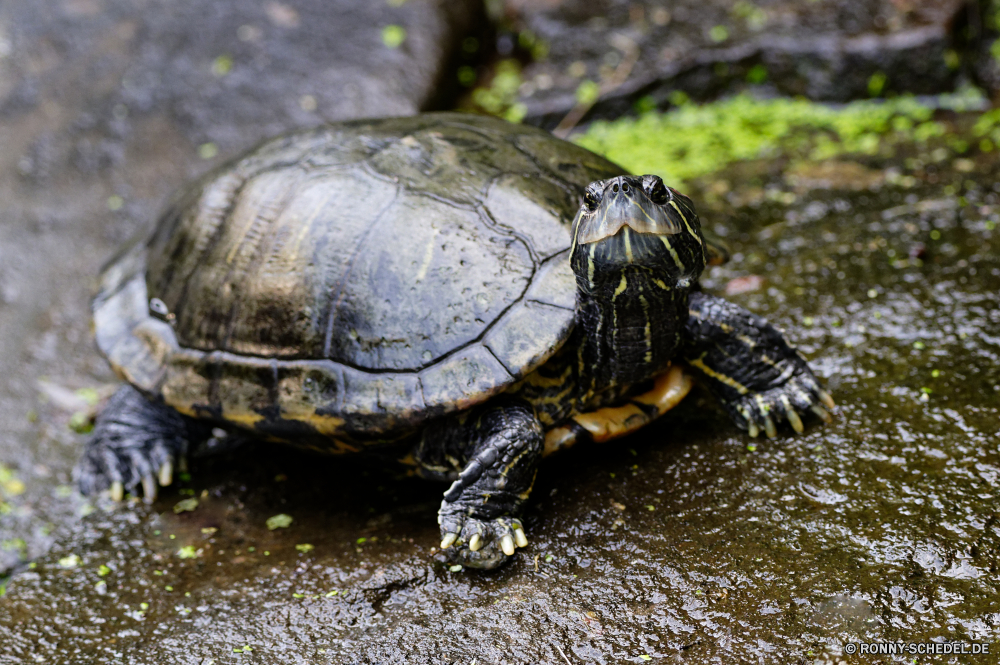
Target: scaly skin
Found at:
x=750, y=367
x=499, y=446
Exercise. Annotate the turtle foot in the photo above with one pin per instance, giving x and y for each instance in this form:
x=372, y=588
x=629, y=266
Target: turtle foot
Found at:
x=135, y=442
x=476, y=543
x=797, y=397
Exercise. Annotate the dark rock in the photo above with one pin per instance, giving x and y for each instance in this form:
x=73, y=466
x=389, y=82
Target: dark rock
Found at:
x=228, y=72
x=982, y=32
x=827, y=50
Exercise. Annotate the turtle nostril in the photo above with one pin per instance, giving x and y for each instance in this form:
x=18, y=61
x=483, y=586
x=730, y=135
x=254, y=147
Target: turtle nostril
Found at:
x=625, y=187
x=614, y=188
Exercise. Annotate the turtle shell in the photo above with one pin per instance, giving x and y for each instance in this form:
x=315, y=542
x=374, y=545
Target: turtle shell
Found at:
x=355, y=279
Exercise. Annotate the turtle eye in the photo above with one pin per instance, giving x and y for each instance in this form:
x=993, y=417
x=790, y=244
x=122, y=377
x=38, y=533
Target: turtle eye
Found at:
x=159, y=308
x=657, y=191
x=591, y=201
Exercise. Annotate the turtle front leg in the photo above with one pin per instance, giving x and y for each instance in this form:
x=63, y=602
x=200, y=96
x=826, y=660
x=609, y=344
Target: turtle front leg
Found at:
x=750, y=367
x=498, y=449
x=134, y=442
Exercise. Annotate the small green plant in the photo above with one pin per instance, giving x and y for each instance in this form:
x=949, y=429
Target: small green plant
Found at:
x=500, y=98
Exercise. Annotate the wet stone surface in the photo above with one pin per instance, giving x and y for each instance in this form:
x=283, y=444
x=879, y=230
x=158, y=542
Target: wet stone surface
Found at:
x=687, y=542
x=827, y=50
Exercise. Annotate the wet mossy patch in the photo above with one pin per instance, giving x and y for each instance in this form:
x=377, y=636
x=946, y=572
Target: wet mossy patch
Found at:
x=692, y=141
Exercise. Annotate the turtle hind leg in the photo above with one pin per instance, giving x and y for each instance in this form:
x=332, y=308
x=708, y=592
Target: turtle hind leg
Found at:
x=134, y=442
x=478, y=516
x=750, y=367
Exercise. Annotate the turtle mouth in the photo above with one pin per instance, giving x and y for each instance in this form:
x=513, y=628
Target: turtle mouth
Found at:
x=636, y=222
x=641, y=204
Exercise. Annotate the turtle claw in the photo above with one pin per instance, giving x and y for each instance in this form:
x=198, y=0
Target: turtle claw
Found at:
x=764, y=411
x=519, y=538
x=794, y=421
x=823, y=414
x=827, y=399
x=480, y=543
x=148, y=488
x=769, y=427
x=167, y=473
x=135, y=442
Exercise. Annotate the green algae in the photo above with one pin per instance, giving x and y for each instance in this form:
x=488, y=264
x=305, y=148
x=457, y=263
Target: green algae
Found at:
x=393, y=36
x=500, y=97
x=10, y=484
x=280, y=521
x=69, y=562
x=186, y=505
x=691, y=140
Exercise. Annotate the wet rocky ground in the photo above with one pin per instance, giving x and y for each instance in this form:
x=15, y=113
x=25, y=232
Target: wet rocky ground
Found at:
x=688, y=542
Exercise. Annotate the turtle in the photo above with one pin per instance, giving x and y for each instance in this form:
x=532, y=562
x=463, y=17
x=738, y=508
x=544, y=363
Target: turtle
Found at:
x=470, y=293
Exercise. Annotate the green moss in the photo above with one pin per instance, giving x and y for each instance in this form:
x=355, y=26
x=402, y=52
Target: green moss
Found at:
x=393, y=35
x=587, y=92
x=718, y=33
x=280, y=521
x=500, y=98
x=69, y=562
x=757, y=74
x=530, y=42
x=691, y=141
x=876, y=84
x=81, y=422
x=89, y=395
x=10, y=484
x=755, y=17
x=15, y=545
x=222, y=65
x=187, y=505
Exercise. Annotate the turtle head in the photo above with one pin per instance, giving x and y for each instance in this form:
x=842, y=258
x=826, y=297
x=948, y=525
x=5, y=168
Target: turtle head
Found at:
x=637, y=254
x=637, y=222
